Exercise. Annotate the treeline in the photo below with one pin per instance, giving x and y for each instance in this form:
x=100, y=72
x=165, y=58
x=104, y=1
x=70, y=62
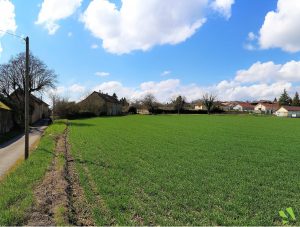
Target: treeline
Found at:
x=286, y=100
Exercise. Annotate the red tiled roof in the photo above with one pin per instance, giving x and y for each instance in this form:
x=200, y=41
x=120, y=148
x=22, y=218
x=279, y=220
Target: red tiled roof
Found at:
x=272, y=106
x=246, y=105
x=292, y=108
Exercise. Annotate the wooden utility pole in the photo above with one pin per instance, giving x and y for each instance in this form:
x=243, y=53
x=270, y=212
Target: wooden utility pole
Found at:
x=27, y=100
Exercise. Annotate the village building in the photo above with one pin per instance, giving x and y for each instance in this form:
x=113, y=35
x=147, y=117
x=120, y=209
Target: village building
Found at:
x=38, y=109
x=288, y=111
x=6, y=120
x=143, y=111
x=101, y=104
x=266, y=108
x=200, y=106
x=243, y=107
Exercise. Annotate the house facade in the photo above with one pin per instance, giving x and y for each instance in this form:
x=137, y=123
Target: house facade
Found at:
x=6, y=120
x=38, y=109
x=101, y=104
x=266, y=108
x=288, y=111
x=200, y=106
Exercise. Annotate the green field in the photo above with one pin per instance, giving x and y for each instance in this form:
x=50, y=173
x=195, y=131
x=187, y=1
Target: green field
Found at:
x=188, y=170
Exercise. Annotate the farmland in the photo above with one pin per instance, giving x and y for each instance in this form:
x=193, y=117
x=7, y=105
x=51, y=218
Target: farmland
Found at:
x=188, y=170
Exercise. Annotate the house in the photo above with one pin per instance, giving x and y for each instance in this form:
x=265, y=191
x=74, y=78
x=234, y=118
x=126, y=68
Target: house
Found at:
x=101, y=104
x=6, y=120
x=227, y=106
x=288, y=111
x=243, y=107
x=143, y=111
x=38, y=109
x=266, y=108
x=200, y=106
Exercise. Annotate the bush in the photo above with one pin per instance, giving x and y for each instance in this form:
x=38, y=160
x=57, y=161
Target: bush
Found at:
x=132, y=110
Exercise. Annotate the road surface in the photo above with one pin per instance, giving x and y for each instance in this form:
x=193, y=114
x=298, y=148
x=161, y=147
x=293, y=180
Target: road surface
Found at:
x=13, y=150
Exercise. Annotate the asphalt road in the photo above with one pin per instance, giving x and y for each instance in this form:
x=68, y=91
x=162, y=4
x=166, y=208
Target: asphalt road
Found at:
x=13, y=150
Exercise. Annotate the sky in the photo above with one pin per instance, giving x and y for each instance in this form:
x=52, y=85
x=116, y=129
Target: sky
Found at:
x=234, y=49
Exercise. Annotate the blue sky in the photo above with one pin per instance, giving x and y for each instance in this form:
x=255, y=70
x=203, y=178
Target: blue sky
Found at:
x=217, y=56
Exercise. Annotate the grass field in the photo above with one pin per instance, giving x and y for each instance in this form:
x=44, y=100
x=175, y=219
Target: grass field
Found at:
x=189, y=170
x=16, y=190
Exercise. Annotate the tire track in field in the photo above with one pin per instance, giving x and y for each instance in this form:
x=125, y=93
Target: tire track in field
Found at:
x=99, y=201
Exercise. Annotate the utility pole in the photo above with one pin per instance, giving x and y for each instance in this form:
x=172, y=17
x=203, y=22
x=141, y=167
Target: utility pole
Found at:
x=27, y=100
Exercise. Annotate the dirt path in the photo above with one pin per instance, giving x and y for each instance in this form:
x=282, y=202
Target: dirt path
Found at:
x=59, y=198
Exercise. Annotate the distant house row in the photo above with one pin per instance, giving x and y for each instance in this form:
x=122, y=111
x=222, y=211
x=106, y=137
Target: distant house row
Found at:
x=263, y=107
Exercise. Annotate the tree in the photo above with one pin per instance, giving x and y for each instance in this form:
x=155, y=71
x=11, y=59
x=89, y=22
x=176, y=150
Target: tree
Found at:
x=285, y=99
x=179, y=103
x=149, y=101
x=296, y=100
x=12, y=75
x=124, y=102
x=115, y=96
x=12, y=78
x=65, y=109
x=209, y=102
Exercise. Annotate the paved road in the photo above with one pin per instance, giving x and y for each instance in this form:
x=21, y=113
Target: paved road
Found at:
x=13, y=150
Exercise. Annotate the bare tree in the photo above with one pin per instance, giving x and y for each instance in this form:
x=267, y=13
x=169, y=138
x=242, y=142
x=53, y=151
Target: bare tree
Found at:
x=54, y=99
x=12, y=75
x=179, y=103
x=12, y=78
x=209, y=102
x=149, y=101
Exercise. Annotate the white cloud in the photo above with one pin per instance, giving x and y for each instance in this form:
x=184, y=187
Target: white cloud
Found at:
x=102, y=74
x=141, y=25
x=249, y=46
x=281, y=27
x=230, y=90
x=7, y=17
x=223, y=7
x=76, y=88
x=270, y=72
x=115, y=87
x=252, y=36
x=165, y=90
x=260, y=81
x=54, y=10
x=166, y=73
x=94, y=46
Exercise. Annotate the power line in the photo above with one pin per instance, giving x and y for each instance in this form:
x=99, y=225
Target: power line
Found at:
x=9, y=33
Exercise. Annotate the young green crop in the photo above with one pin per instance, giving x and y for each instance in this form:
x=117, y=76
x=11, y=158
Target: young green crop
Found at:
x=188, y=170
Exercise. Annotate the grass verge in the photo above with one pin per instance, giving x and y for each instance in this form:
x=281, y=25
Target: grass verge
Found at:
x=16, y=194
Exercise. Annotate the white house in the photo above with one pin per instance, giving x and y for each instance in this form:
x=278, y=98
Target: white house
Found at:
x=200, y=106
x=288, y=111
x=266, y=108
x=244, y=107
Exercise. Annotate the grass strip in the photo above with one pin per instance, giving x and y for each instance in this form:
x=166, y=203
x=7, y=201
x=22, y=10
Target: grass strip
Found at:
x=16, y=194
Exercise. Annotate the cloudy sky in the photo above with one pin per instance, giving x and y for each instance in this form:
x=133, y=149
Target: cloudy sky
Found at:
x=236, y=49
